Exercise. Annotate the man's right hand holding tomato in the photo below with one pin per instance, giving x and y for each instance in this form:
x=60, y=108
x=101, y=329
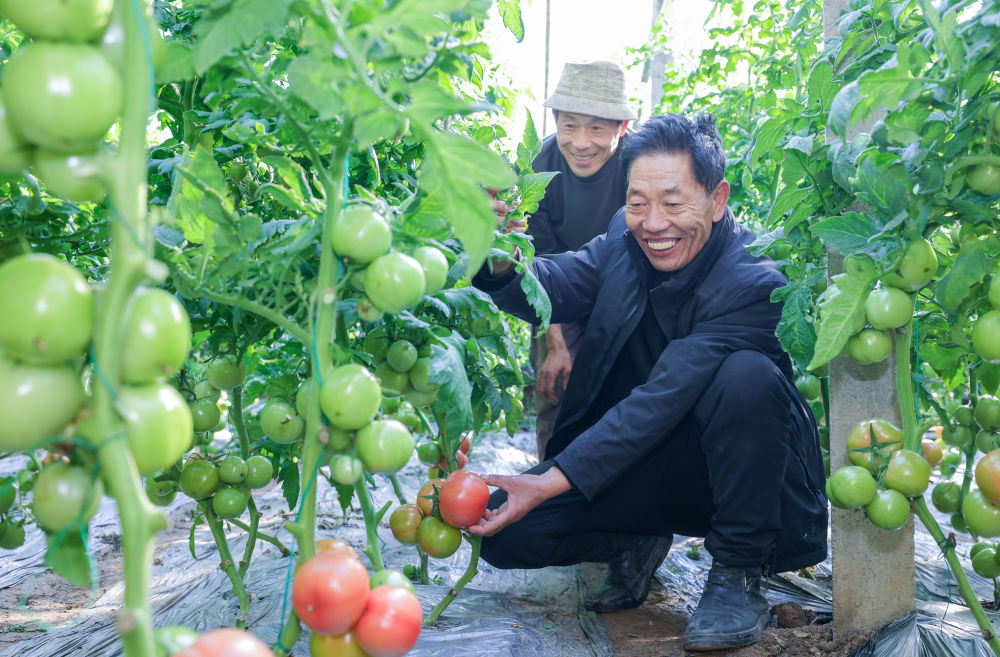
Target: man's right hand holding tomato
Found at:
x=524, y=493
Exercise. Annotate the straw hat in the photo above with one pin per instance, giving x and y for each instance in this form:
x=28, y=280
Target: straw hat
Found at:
x=592, y=88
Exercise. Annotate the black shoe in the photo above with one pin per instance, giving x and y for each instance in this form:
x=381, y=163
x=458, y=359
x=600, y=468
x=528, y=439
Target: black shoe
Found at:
x=732, y=611
x=630, y=574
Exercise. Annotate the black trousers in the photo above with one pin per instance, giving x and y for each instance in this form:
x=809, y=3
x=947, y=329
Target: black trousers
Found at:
x=719, y=475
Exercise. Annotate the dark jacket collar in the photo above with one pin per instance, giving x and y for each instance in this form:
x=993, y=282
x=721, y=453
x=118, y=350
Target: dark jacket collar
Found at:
x=695, y=271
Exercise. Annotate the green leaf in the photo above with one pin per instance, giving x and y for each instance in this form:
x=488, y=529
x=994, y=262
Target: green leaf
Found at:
x=795, y=330
x=177, y=64
x=244, y=22
x=841, y=108
x=196, y=201
x=288, y=475
x=345, y=494
x=456, y=169
x=510, y=12
x=988, y=377
x=840, y=308
x=533, y=187
x=313, y=79
x=454, y=398
x=847, y=234
x=537, y=297
x=67, y=557
x=884, y=188
x=973, y=264
x=530, y=145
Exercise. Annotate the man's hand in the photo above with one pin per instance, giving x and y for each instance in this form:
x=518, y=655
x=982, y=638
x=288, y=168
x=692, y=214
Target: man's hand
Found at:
x=558, y=363
x=524, y=493
x=498, y=266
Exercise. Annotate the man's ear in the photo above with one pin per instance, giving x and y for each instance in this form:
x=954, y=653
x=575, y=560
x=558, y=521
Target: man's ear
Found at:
x=720, y=197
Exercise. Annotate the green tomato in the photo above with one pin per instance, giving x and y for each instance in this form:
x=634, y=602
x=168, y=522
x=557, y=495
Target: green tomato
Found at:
x=392, y=382
x=888, y=308
x=421, y=399
x=233, y=469
x=390, y=577
x=384, y=445
x=229, y=502
x=361, y=234
x=980, y=515
x=950, y=463
x=946, y=496
x=65, y=496
x=429, y=453
x=26, y=480
x=869, y=346
x=438, y=539
x=987, y=412
x=394, y=282
x=985, y=179
x=61, y=96
x=401, y=355
x=420, y=375
x=12, y=535
x=435, y=266
x=46, y=310
x=15, y=153
x=158, y=425
x=994, y=292
x=72, y=177
x=259, y=471
x=957, y=435
x=205, y=390
x=157, y=337
x=986, y=336
x=368, y=311
x=963, y=415
x=160, y=493
x=984, y=563
x=281, y=423
x=987, y=441
x=916, y=269
x=199, y=479
x=339, y=441
x=350, y=397
x=346, y=469
x=907, y=472
x=377, y=342
x=225, y=373
x=38, y=402
x=205, y=415
x=59, y=20
x=852, y=486
x=809, y=386
x=8, y=494
x=889, y=509
x=958, y=523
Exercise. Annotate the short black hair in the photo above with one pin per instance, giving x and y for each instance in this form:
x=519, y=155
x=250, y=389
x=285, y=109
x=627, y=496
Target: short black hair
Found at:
x=672, y=133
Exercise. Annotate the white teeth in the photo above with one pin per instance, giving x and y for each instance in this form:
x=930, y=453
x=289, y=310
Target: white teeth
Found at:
x=583, y=158
x=662, y=246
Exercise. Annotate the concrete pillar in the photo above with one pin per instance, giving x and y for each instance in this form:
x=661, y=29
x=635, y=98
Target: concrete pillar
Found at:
x=873, y=569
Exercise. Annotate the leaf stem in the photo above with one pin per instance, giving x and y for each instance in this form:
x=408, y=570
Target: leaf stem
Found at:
x=470, y=572
x=372, y=549
x=226, y=562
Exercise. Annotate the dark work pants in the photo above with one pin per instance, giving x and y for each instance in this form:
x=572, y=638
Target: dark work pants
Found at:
x=719, y=475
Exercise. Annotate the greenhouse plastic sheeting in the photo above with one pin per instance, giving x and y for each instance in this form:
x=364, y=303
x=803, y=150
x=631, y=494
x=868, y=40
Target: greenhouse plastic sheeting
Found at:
x=501, y=613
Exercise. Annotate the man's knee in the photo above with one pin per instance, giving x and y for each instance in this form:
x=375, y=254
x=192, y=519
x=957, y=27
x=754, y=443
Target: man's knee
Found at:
x=748, y=382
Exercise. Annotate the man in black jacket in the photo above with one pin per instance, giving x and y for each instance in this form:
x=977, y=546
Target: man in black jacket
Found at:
x=680, y=415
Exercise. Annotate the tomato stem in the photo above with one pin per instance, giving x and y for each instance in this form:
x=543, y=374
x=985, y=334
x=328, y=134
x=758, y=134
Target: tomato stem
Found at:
x=964, y=588
x=372, y=549
x=262, y=536
x=904, y=387
x=396, y=488
x=470, y=572
x=226, y=562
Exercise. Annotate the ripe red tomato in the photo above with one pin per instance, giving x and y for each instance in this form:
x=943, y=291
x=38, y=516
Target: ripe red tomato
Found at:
x=435, y=266
x=424, y=496
x=336, y=546
x=37, y=402
x=438, y=539
x=916, y=269
x=394, y=282
x=361, y=234
x=404, y=523
x=888, y=308
x=61, y=96
x=463, y=498
x=158, y=425
x=907, y=473
x=384, y=445
x=46, y=309
x=988, y=476
x=330, y=592
x=65, y=495
x=350, y=396
x=391, y=622
x=981, y=515
x=227, y=642
x=157, y=337
x=335, y=645
x=869, y=346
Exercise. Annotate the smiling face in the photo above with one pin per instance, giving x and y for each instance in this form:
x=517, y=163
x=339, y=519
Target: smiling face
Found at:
x=668, y=211
x=587, y=142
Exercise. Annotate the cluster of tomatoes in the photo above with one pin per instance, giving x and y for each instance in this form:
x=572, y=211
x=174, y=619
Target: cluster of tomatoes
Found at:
x=62, y=90
x=52, y=309
x=443, y=508
x=350, y=613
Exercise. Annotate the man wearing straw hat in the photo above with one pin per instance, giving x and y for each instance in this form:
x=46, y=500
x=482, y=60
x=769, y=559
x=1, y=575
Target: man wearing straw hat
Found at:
x=591, y=116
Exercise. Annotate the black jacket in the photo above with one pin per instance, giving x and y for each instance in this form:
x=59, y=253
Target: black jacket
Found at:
x=716, y=305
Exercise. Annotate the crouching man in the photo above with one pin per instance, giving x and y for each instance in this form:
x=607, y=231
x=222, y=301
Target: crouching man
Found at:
x=680, y=415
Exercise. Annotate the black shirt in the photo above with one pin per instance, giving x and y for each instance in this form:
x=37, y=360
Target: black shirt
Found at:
x=574, y=209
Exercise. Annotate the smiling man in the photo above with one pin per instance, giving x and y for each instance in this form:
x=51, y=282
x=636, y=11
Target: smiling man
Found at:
x=591, y=116
x=680, y=415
